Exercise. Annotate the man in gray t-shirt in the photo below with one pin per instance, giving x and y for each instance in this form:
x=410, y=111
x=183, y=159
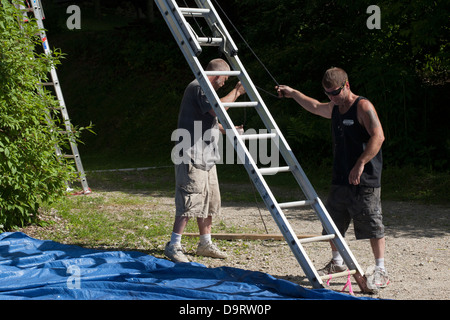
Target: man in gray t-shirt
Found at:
x=200, y=127
x=195, y=154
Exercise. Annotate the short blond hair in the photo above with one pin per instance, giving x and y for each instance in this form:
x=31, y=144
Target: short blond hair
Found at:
x=334, y=77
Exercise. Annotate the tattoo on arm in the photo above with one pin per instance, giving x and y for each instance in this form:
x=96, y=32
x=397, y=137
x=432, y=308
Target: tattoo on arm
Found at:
x=373, y=119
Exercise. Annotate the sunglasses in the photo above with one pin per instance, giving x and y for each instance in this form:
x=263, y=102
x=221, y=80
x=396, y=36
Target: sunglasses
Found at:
x=337, y=91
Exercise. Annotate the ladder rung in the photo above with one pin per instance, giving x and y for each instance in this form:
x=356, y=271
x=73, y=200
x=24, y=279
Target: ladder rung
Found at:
x=296, y=204
x=318, y=238
x=257, y=136
x=274, y=170
x=222, y=73
x=69, y=156
x=338, y=274
x=194, y=11
x=46, y=84
x=240, y=104
x=66, y=132
x=209, y=41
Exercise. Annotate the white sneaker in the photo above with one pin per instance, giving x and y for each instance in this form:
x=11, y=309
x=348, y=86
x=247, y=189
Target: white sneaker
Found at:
x=210, y=250
x=175, y=253
x=377, y=278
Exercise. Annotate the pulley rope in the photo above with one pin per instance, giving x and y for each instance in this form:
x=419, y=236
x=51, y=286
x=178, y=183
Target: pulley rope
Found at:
x=259, y=88
x=251, y=50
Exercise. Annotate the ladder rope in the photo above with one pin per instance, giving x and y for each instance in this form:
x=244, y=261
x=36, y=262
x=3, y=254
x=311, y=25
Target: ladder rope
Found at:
x=196, y=22
x=251, y=50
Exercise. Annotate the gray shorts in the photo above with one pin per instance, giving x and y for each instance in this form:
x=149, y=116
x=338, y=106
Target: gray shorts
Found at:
x=197, y=193
x=360, y=203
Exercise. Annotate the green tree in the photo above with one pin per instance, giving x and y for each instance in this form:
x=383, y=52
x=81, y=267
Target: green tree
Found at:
x=401, y=67
x=30, y=172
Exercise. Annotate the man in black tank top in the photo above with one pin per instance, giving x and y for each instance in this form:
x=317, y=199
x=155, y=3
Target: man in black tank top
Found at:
x=357, y=164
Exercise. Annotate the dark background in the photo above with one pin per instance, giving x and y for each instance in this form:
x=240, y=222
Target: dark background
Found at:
x=124, y=73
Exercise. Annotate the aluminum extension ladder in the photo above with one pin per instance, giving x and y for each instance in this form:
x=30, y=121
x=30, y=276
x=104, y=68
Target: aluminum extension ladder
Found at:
x=191, y=46
x=35, y=7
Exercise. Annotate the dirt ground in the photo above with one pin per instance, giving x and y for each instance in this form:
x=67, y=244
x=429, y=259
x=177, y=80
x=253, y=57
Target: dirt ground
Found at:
x=417, y=249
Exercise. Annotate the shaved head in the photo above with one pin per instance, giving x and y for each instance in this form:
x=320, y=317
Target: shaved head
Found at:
x=218, y=65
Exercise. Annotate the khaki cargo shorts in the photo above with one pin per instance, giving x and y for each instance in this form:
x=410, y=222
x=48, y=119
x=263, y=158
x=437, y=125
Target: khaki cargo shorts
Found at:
x=197, y=193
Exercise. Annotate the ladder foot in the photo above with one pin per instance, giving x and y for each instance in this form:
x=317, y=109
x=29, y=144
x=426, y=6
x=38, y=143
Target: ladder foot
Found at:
x=82, y=192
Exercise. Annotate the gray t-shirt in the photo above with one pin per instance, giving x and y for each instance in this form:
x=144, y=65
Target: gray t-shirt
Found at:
x=198, y=131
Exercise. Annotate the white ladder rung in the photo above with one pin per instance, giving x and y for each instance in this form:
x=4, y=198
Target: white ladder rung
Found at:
x=257, y=136
x=296, y=204
x=223, y=73
x=318, y=238
x=209, y=41
x=46, y=84
x=274, y=170
x=338, y=274
x=240, y=104
x=194, y=11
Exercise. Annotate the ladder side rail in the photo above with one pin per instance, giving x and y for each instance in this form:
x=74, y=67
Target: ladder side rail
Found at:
x=179, y=35
x=269, y=122
x=241, y=149
x=214, y=21
x=259, y=182
x=37, y=9
x=53, y=74
x=308, y=190
x=284, y=150
x=193, y=61
x=62, y=103
x=191, y=37
x=262, y=110
x=270, y=201
x=302, y=179
x=300, y=175
x=339, y=242
x=279, y=217
x=251, y=167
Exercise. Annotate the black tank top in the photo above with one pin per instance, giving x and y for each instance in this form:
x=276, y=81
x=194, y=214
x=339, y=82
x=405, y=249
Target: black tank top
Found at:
x=349, y=141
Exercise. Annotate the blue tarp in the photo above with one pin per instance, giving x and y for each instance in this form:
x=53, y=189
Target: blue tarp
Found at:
x=44, y=270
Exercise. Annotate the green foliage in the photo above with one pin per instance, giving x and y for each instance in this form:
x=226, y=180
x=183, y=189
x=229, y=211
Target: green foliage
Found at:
x=402, y=67
x=129, y=81
x=130, y=87
x=30, y=172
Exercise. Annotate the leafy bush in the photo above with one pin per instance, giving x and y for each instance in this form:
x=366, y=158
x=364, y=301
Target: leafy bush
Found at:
x=30, y=171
